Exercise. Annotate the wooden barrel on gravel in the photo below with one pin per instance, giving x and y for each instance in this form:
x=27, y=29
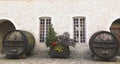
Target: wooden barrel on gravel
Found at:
x=104, y=45
x=5, y=27
x=18, y=43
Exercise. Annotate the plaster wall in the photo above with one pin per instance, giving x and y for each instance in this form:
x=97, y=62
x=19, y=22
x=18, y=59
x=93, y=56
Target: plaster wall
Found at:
x=25, y=14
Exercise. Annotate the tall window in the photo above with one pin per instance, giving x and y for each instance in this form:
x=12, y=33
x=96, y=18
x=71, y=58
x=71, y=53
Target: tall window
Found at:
x=44, y=27
x=79, y=29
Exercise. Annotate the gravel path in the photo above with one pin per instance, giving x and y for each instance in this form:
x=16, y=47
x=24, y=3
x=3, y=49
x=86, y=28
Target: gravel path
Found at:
x=79, y=55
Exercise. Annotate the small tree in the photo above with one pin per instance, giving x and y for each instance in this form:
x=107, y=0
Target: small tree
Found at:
x=51, y=37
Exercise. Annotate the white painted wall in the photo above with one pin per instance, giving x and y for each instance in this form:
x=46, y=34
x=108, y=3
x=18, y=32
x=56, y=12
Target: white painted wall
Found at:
x=25, y=14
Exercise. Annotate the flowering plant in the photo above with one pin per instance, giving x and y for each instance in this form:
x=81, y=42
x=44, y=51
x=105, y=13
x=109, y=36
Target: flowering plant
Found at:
x=51, y=39
x=58, y=43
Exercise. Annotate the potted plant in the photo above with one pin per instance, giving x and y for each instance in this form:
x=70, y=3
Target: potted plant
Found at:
x=59, y=45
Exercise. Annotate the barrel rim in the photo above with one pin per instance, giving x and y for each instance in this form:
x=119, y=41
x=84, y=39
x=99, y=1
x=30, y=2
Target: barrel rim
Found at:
x=92, y=38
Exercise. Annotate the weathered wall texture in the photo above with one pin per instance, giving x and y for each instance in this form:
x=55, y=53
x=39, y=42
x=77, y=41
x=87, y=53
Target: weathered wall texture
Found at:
x=25, y=14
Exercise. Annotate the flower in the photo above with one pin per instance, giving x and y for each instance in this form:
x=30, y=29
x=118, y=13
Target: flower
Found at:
x=59, y=48
x=53, y=44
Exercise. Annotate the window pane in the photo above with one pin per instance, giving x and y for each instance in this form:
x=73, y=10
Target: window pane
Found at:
x=74, y=19
x=47, y=19
x=49, y=22
x=74, y=22
x=83, y=19
x=40, y=19
x=80, y=19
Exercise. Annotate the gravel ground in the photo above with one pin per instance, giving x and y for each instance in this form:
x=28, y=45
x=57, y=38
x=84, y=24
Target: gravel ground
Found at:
x=79, y=55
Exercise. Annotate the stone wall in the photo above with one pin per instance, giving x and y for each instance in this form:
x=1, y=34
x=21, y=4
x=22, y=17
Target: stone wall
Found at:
x=25, y=14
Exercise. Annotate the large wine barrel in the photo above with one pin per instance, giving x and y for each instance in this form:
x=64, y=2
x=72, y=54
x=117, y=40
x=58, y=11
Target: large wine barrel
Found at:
x=17, y=43
x=104, y=44
x=5, y=27
x=115, y=29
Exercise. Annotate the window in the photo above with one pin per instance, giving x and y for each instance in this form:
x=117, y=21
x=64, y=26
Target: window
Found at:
x=44, y=28
x=79, y=33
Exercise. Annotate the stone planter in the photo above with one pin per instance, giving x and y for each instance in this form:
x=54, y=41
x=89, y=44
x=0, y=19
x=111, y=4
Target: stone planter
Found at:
x=59, y=54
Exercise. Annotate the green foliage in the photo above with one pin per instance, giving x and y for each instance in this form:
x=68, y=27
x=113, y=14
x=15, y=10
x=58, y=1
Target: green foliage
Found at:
x=51, y=37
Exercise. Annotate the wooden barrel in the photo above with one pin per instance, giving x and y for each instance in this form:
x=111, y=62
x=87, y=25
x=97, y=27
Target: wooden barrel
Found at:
x=17, y=43
x=5, y=27
x=104, y=44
